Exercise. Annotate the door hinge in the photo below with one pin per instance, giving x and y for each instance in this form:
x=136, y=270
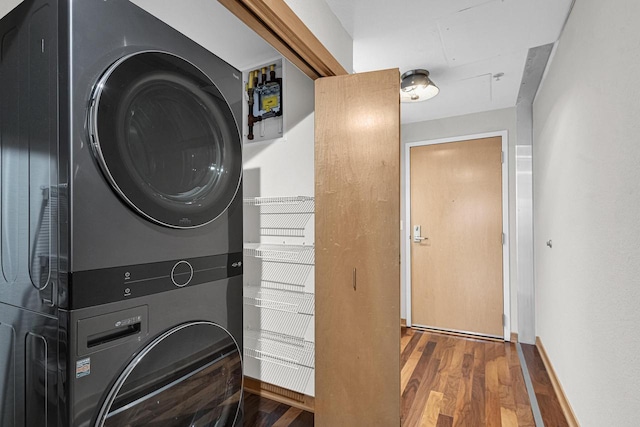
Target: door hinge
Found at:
x=503, y=238
x=504, y=320
x=502, y=157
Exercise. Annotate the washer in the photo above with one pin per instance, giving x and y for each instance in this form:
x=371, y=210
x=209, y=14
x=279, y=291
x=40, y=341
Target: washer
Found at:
x=138, y=362
x=154, y=158
x=121, y=237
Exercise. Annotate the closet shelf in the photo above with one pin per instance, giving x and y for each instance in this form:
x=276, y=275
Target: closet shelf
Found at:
x=278, y=204
x=278, y=275
x=259, y=318
x=280, y=348
x=283, y=216
x=278, y=313
x=295, y=254
x=274, y=359
x=280, y=300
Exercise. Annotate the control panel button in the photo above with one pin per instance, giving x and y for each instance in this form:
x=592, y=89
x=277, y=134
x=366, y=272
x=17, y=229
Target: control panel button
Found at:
x=181, y=273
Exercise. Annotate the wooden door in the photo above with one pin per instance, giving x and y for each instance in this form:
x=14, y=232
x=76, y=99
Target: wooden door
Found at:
x=357, y=190
x=456, y=272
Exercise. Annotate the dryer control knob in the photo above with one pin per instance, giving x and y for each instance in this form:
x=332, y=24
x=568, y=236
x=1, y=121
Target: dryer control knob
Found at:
x=181, y=273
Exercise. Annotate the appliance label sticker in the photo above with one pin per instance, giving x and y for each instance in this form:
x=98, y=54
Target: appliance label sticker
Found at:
x=83, y=367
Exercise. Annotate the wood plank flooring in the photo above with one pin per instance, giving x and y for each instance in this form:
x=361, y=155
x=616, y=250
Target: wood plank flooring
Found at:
x=262, y=412
x=448, y=381
x=452, y=381
x=550, y=408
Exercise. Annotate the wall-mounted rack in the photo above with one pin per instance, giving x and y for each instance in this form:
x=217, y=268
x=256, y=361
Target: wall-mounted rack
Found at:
x=280, y=300
x=279, y=359
x=295, y=254
x=279, y=303
x=283, y=216
x=287, y=204
x=259, y=318
x=281, y=275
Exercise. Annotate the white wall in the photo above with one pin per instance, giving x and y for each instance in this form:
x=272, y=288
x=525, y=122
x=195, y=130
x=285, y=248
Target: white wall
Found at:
x=504, y=119
x=324, y=24
x=587, y=200
x=285, y=167
x=7, y=5
x=211, y=25
x=206, y=22
x=279, y=168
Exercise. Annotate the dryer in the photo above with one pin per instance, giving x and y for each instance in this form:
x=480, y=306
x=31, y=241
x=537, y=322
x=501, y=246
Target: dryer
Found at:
x=121, y=175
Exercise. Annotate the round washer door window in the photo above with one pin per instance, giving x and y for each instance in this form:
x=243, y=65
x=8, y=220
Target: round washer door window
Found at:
x=166, y=139
x=189, y=376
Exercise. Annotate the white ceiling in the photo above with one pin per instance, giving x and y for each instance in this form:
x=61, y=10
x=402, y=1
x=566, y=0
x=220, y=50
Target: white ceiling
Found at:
x=463, y=44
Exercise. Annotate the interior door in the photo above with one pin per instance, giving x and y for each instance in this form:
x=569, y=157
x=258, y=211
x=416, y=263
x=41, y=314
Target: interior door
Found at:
x=357, y=190
x=456, y=253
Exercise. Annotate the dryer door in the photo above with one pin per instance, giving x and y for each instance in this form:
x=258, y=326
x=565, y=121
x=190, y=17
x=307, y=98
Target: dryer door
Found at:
x=189, y=376
x=166, y=139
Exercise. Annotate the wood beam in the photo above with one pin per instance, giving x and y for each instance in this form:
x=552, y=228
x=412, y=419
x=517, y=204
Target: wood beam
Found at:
x=276, y=23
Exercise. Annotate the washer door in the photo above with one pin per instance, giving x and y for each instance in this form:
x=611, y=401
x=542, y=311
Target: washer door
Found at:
x=189, y=376
x=166, y=139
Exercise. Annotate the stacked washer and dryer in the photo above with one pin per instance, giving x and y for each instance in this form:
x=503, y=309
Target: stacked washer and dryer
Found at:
x=121, y=221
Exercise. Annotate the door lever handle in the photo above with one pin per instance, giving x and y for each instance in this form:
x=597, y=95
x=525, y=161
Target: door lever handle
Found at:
x=417, y=231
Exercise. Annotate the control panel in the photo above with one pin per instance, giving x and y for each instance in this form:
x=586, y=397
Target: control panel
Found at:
x=93, y=287
x=181, y=273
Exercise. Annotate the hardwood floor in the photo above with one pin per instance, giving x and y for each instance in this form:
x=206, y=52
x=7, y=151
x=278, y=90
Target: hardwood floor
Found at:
x=448, y=381
x=262, y=412
x=550, y=408
x=452, y=381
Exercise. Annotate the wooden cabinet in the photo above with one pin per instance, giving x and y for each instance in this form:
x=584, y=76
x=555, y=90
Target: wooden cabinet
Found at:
x=357, y=189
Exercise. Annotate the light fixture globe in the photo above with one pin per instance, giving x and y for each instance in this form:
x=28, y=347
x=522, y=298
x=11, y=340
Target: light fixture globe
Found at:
x=416, y=86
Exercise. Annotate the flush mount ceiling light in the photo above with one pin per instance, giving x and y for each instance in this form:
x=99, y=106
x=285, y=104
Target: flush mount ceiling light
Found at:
x=416, y=86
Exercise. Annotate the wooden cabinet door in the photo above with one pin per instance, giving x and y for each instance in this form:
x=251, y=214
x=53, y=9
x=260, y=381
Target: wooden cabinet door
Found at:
x=357, y=190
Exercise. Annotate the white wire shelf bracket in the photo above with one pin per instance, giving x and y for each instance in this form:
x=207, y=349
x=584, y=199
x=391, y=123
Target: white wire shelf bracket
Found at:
x=280, y=300
x=292, y=225
x=283, y=216
x=279, y=275
x=279, y=205
x=286, y=375
x=258, y=318
x=279, y=359
x=295, y=254
x=280, y=348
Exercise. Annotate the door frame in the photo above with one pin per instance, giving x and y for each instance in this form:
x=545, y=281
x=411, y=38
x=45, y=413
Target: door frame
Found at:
x=406, y=260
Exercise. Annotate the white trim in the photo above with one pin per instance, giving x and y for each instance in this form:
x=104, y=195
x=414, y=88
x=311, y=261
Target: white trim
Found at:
x=505, y=219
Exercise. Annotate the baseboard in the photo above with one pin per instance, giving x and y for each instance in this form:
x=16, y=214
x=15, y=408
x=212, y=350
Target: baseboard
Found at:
x=514, y=337
x=279, y=394
x=562, y=398
x=403, y=323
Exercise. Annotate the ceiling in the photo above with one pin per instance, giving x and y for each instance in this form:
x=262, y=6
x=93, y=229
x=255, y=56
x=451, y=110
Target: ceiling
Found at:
x=465, y=45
